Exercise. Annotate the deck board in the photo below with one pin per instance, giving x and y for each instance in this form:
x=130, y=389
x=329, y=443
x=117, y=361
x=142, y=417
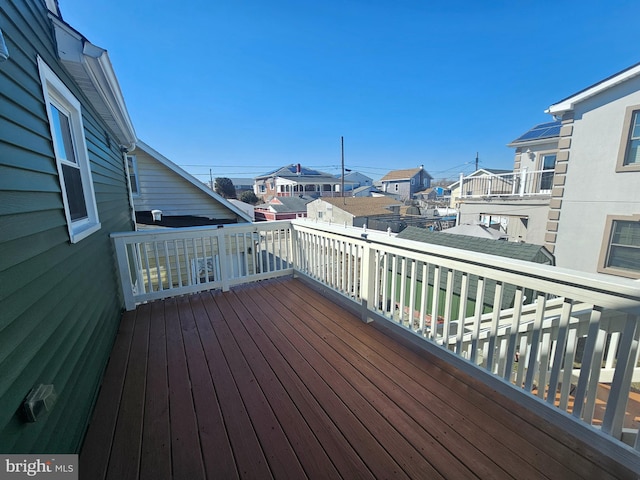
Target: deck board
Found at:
x=458, y=422
x=155, y=457
x=273, y=380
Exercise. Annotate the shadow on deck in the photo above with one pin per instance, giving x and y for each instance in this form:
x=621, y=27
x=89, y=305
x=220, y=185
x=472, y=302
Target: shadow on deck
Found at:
x=274, y=380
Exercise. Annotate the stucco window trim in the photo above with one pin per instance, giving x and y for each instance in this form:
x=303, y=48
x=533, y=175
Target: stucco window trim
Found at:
x=624, y=142
x=606, y=244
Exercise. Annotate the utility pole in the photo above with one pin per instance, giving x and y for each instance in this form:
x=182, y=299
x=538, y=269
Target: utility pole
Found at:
x=476, y=161
x=211, y=180
x=342, y=177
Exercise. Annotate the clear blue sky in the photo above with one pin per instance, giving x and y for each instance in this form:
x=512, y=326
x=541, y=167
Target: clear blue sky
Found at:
x=243, y=87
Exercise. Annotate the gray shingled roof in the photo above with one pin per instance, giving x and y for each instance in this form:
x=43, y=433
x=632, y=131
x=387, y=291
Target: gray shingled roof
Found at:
x=287, y=204
x=519, y=251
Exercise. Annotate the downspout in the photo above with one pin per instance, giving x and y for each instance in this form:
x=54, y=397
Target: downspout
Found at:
x=124, y=151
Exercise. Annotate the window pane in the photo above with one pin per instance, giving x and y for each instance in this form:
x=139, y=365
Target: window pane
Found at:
x=626, y=233
x=625, y=257
x=633, y=152
x=546, y=178
x=75, y=192
x=635, y=126
x=63, y=138
x=625, y=245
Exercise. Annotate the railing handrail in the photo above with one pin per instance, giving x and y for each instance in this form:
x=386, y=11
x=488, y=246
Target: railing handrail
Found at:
x=599, y=289
x=522, y=183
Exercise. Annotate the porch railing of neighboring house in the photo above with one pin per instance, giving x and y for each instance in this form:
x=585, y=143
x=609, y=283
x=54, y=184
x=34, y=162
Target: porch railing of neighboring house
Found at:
x=559, y=334
x=522, y=183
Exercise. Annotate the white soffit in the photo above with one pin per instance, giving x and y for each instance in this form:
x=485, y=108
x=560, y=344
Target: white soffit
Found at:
x=91, y=68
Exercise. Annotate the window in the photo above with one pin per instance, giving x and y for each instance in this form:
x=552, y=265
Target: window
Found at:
x=547, y=165
x=132, y=166
x=70, y=150
x=629, y=152
x=621, y=249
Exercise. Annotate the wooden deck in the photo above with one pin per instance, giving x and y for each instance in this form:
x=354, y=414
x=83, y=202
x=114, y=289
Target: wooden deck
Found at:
x=273, y=380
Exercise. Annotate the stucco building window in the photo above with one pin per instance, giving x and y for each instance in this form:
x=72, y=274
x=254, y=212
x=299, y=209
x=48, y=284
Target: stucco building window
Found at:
x=629, y=152
x=620, y=253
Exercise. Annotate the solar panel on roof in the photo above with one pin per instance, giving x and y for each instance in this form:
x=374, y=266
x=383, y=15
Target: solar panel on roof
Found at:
x=543, y=130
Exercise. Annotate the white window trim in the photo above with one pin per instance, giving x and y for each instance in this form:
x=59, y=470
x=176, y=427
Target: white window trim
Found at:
x=56, y=92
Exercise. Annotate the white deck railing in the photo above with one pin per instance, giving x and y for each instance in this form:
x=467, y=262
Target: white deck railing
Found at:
x=522, y=183
x=561, y=335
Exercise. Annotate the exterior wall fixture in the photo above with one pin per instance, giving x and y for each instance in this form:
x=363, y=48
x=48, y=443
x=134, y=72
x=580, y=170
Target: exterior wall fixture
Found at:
x=39, y=401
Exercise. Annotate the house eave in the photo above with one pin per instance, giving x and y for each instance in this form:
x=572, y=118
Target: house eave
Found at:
x=569, y=103
x=91, y=68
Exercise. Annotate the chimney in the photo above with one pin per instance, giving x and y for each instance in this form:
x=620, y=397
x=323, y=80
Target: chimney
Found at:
x=298, y=169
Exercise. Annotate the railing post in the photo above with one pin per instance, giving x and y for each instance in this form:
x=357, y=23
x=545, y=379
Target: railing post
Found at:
x=225, y=269
x=125, y=273
x=367, y=284
x=622, y=377
x=523, y=179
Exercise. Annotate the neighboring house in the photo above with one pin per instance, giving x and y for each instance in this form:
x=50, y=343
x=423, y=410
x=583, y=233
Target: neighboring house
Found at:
x=353, y=211
x=354, y=180
x=434, y=195
x=282, y=208
x=64, y=127
x=242, y=185
x=364, y=191
x=178, y=199
x=578, y=179
x=404, y=184
x=594, y=213
x=293, y=180
x=518, y=200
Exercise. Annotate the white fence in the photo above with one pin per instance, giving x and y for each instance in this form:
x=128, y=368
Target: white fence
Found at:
x=559, y=334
